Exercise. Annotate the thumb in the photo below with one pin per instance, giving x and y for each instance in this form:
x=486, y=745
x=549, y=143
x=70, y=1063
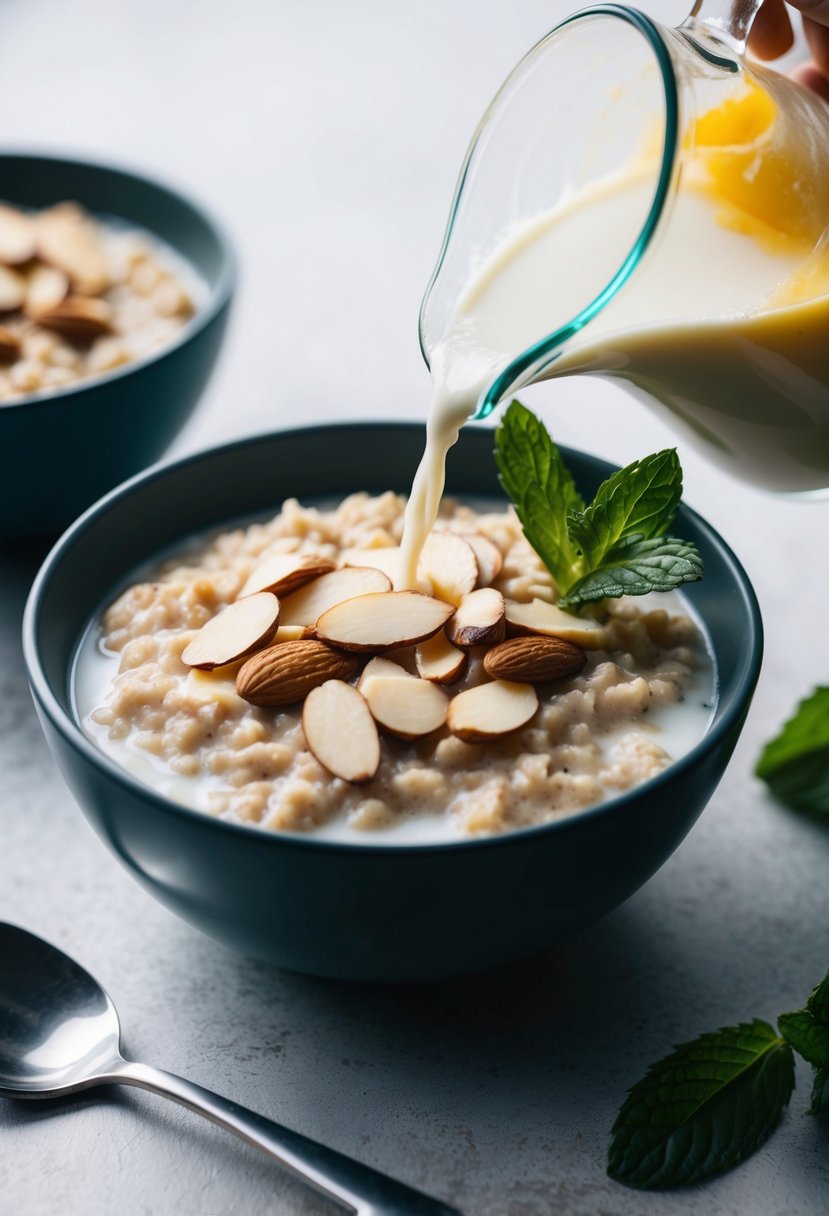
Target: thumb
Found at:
x=815, y=10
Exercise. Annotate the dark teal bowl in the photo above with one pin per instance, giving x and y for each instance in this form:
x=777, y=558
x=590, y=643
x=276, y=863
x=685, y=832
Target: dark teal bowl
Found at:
x=61, y=450
x=358, y=911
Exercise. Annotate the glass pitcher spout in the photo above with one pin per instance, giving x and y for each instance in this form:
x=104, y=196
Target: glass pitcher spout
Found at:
x=729, y=21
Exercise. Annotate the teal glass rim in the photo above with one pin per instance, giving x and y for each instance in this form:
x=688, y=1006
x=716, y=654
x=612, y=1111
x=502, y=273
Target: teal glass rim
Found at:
x=524, y=367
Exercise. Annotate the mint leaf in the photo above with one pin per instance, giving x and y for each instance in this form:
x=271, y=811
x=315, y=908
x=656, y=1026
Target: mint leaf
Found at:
x=795, y=764
x=616, y=545
x=703, y=1109
x=808, y=1029
x=820, y=1092
x=637, y=566
x=540, y=487
x=639, y=500
x=807, y=1037
x=544, y=532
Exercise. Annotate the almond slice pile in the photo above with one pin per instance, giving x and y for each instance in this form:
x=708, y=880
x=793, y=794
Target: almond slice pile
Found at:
x=79, y=297
x=303, y=630
x=53, y=269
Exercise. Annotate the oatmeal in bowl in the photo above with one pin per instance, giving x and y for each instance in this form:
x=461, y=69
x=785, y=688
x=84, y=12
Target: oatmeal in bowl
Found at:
x=114, y=295
x=486, y=709
x=458, y=828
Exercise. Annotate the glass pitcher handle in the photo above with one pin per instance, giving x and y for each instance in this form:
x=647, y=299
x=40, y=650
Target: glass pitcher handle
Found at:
x=728, y=20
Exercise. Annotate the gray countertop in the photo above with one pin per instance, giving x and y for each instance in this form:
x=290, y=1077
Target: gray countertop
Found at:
x=327, y=137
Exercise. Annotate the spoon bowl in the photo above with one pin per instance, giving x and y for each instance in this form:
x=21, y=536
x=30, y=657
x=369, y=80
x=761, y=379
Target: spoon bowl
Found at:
x=59, y=1033
x=58, y=1027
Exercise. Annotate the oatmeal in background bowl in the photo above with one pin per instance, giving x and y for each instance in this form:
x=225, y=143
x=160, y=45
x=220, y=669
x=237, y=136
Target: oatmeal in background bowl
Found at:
x=271, y=675
x=113, y=309
x=81, y=295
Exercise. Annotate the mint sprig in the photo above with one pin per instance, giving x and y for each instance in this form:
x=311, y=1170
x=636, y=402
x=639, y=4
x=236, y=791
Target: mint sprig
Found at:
x=807, y=1030
x=714, y=1101
x=795, y=764
x=615, y=545
x=703, y=1109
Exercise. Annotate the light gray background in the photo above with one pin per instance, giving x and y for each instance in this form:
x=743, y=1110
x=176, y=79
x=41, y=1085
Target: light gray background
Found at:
x=327, y=136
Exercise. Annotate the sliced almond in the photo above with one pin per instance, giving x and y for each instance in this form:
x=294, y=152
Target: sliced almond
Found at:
x=78, y=319
x=234, y=632
x=491, y=710
x=306, y=606
x=340, y=731
x=282, y=674
x=487, y=555
x=66, y=238
x=390, y=561
x=9, y=345
x=406, y=708
x=12, y=290
x=450, y=566
x=438, y=660
x=383, y=667
x=46, y=287
x=17, y=236
x=548, y=619
x=383, y=621
x=479, y=621
x=387, y=560
x=534, y=659
x=283, y=573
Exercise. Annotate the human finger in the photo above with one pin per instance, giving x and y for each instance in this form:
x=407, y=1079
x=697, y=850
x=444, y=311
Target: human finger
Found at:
x=817, y=37
x=811, y=77
x=815, y=10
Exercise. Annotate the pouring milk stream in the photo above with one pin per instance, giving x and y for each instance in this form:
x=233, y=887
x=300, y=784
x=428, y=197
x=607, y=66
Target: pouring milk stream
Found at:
x=725, y=323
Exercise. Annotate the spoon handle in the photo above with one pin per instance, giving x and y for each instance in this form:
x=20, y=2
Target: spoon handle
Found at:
x=364, y=1190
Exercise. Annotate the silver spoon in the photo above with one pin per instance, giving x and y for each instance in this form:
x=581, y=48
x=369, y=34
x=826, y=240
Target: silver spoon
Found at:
x=59, y=1033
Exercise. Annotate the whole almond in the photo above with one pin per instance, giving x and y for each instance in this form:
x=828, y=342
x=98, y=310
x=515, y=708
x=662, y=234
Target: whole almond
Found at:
x=78, y=319
x=534, y=659
x=287, y=672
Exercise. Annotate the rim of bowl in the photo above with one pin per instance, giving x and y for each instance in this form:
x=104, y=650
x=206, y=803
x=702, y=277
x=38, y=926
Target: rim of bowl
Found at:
x=218, y=295
x=66, y=724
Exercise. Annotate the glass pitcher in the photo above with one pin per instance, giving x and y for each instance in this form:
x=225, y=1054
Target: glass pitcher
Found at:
x=641, y=203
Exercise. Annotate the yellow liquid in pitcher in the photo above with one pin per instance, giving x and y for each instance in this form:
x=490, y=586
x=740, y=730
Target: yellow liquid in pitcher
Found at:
x=725, y=322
